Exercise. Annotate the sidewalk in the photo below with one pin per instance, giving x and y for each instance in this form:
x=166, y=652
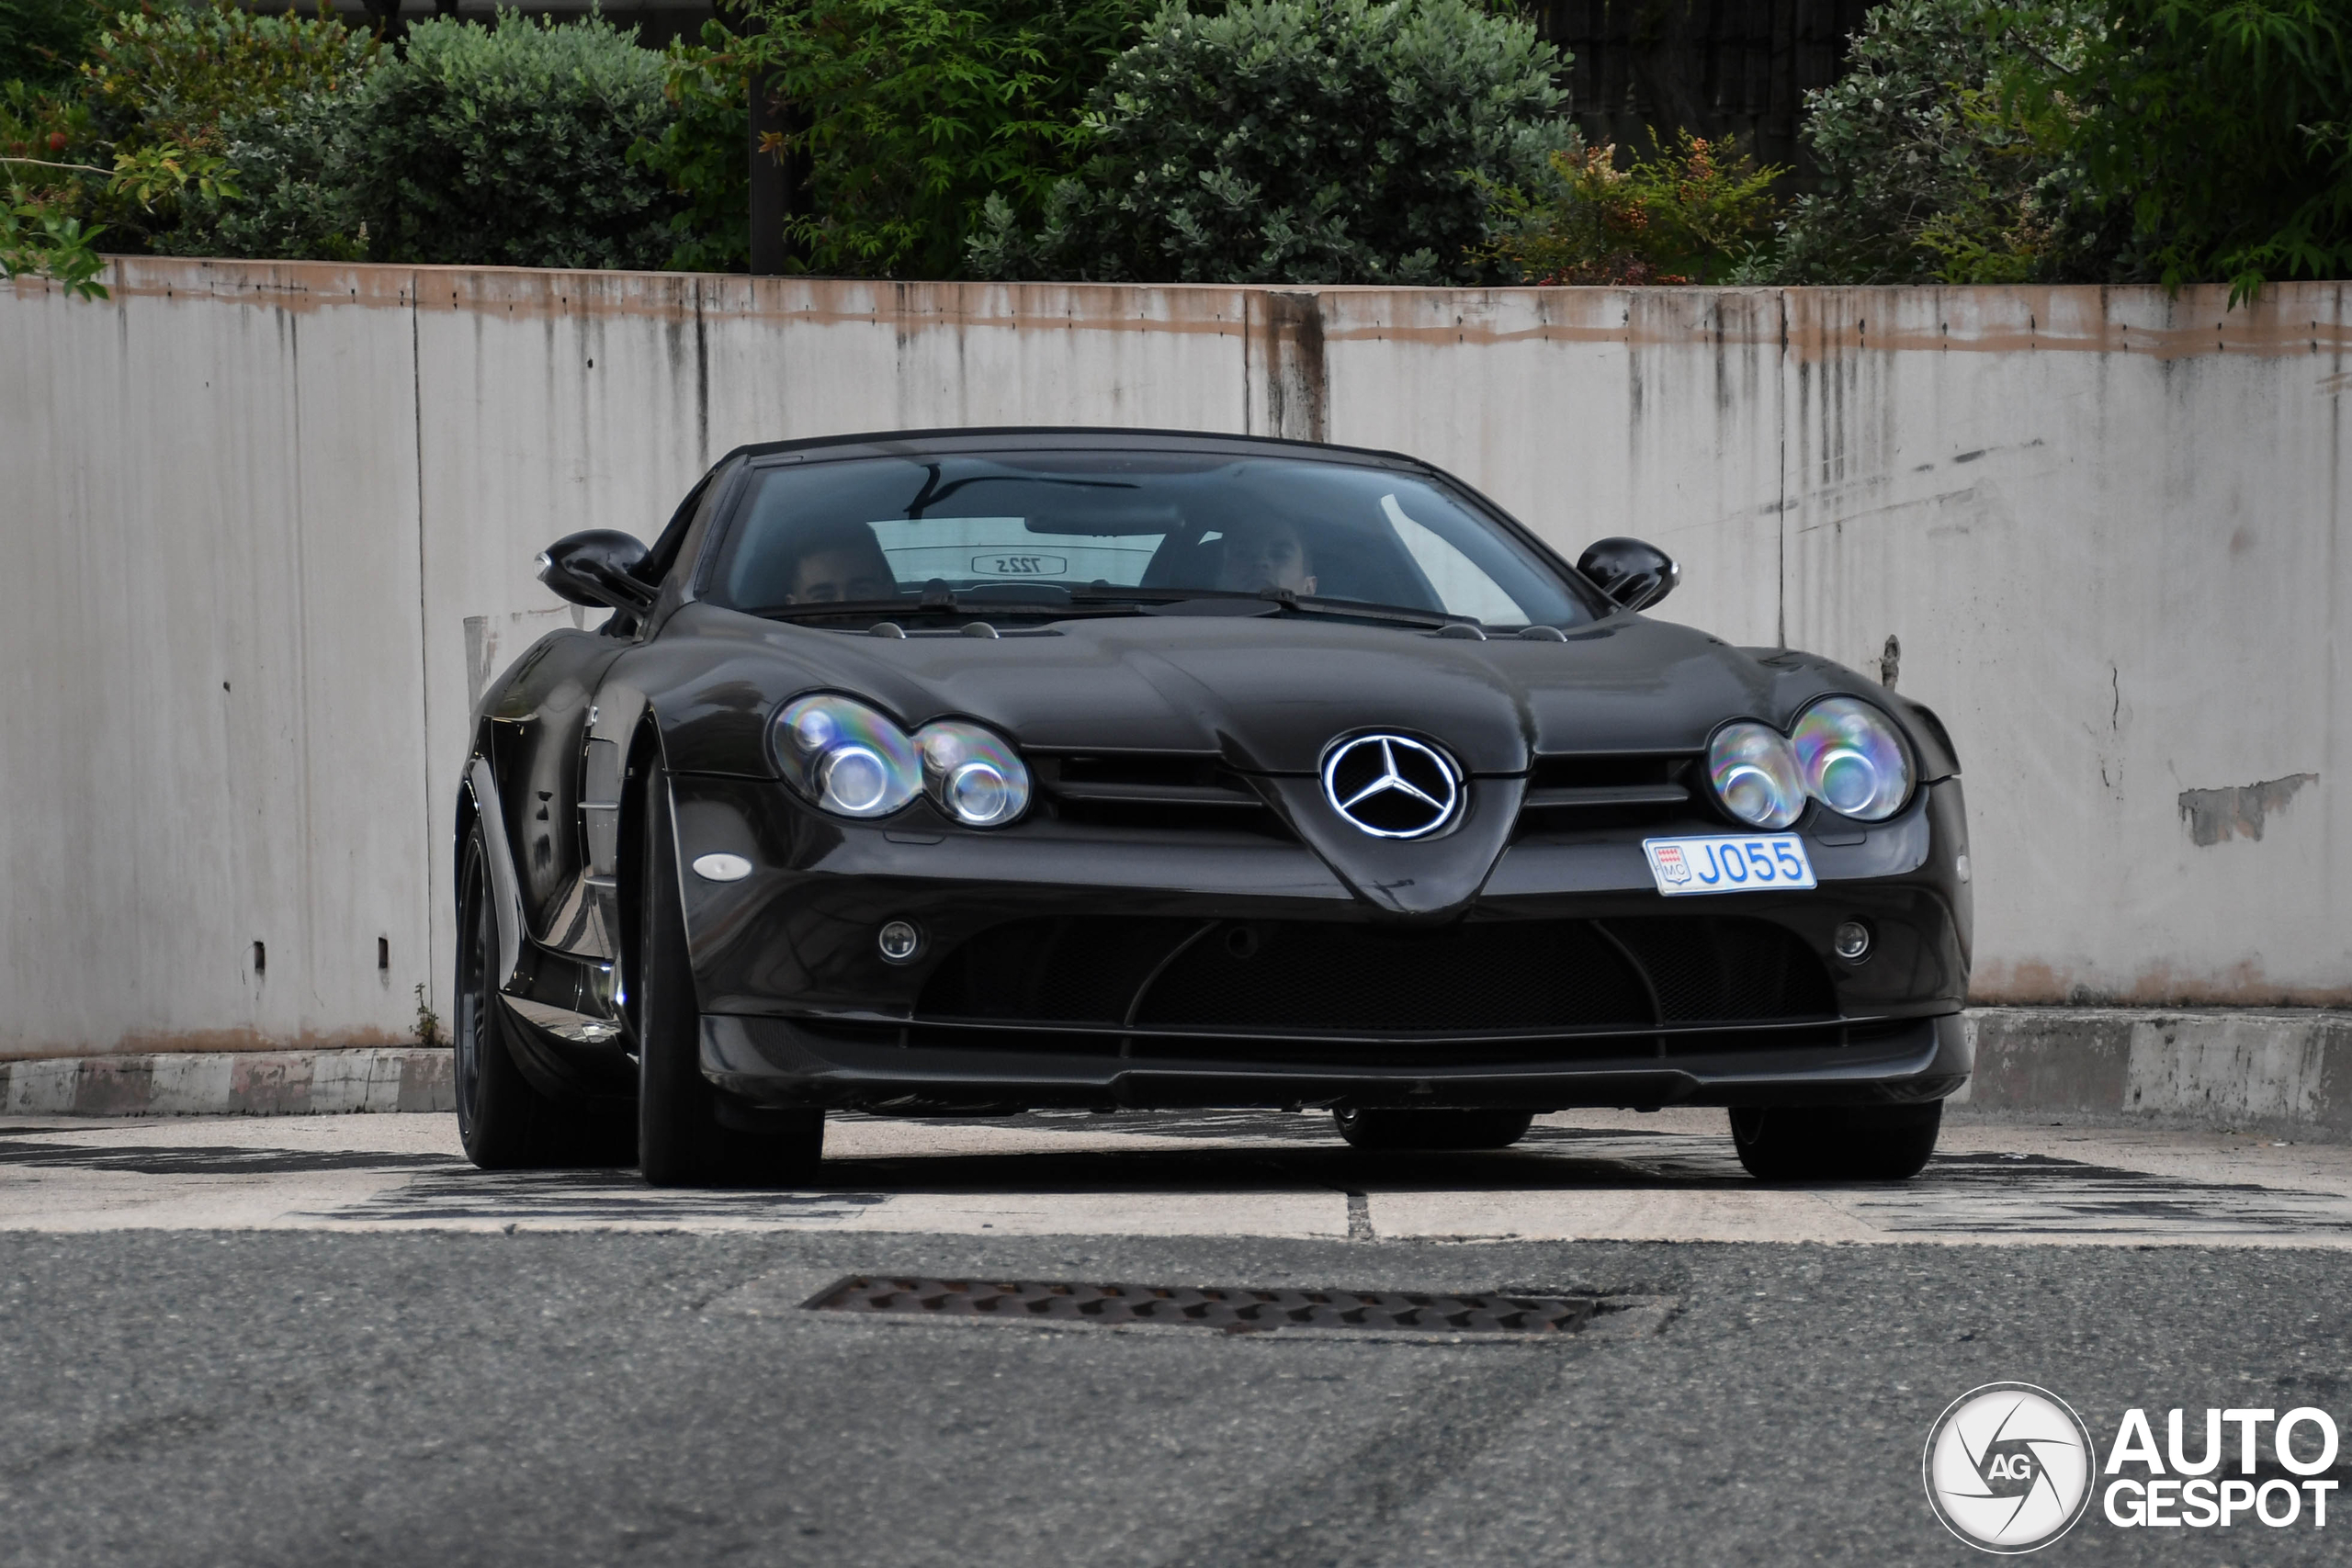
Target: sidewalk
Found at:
x=2288, y=1072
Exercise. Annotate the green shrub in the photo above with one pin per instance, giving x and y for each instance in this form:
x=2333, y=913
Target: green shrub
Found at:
x=909, y=115
x=1297, y=142
x=293, y=195
x=136, y=140
x=2218, y=131
x=41, y=41
x=1689, y=213
x=507, y=146
x=1924, y=177
x=702, y=151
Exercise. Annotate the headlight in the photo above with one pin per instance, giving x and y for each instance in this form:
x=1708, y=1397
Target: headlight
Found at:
x=1755, y=776
x=971, y=774
x=1852, y=759
x=846, y=757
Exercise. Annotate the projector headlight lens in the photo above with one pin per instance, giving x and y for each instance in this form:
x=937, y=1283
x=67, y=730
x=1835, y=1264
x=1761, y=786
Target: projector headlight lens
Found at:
x=971, y=774
x=1755, y=776
x=1851, y=759
x=846, y=757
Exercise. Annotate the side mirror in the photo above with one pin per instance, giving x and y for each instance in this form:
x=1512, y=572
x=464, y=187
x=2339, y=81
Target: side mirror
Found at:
x=598, y=567
x=1633, y=574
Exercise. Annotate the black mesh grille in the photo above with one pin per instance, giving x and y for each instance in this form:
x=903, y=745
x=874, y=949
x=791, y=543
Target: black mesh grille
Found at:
x=1300, y=976
x=1711, y=968
x=1291, y=977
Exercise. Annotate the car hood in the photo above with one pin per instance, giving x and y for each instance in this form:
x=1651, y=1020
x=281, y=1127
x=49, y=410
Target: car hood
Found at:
x=1270, y=694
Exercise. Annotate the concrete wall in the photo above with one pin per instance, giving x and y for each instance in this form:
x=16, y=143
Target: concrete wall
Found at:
x=268, y=528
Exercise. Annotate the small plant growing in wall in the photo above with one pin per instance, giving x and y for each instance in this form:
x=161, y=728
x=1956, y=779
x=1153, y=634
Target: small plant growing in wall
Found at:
x=428, y=1023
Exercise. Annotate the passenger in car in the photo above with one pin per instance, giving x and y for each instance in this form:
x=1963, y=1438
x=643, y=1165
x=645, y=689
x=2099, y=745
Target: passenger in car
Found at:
x=841, y=563
x=1266, y=554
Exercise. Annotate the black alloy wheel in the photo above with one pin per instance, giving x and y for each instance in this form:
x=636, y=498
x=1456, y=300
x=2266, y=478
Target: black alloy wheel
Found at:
x=1836, y=1143
x=1386, y=1129
x=503, y=1121
x=681, y=1141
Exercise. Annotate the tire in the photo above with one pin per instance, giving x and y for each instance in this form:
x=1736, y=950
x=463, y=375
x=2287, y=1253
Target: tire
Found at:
x=1383, y=1128
x=504, y=1122
x=679, y=1139
x=1855, y=1142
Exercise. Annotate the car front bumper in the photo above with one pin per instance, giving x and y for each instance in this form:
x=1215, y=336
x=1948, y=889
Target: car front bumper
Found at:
x=802, y=1008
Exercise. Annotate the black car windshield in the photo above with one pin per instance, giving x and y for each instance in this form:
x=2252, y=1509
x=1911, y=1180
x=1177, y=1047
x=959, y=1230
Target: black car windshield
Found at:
x=1054, y=527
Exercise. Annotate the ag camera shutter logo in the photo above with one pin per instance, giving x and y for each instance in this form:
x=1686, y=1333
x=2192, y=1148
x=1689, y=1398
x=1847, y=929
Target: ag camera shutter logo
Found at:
x=2008, y=1467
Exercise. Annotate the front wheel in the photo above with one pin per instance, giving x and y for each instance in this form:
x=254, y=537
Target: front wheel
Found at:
x=1836, y=1143
x=504, y=1122
x=1386, y=1129
x=680, y=1140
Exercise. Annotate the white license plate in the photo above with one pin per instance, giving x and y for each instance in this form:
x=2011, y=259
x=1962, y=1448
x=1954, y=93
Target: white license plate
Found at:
x=1746, y=863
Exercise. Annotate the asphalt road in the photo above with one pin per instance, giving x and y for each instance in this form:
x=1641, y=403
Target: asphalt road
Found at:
x=317, y=1342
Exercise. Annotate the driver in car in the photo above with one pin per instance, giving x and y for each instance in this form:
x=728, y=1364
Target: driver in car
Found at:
x=841, y=564
x=1267, y=554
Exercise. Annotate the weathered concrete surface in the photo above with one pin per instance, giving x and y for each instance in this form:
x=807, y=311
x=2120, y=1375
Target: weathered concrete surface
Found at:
x=1580, y=1175
x=271, y=526
x=2288, y=1072
x=254, y=1083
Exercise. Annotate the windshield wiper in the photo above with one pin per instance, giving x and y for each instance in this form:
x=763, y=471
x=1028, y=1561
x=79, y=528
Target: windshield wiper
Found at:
x=1346, y=609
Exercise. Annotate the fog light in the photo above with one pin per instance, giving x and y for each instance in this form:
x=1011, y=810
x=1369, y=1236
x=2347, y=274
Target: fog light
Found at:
x=902, y=940
x=1852, y=941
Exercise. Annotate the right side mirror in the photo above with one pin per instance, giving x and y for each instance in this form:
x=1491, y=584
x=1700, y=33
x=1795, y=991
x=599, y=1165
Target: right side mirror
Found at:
x=1632, y=573
x=598, y=567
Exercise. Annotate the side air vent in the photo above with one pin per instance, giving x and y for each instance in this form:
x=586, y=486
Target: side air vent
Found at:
x=1149, y=789
x=1608, y=790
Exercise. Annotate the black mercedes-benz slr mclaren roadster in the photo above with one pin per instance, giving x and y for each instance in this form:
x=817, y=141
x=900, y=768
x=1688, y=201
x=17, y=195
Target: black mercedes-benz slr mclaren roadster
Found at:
x=962, y=772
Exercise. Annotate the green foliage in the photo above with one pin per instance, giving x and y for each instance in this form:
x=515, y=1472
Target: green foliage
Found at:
x=702, y=153
x=2220, y=129
x=507, y=146
x=1925, y=177
x=43, y=40
x=912, y=113
x=1691, y=213
x=1297, y=142
x=169, y=72
x=35, y=241
x=135, y=143
x=294, y=197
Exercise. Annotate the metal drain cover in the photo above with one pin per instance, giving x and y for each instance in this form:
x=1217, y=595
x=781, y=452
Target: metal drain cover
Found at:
x=1189, y=1306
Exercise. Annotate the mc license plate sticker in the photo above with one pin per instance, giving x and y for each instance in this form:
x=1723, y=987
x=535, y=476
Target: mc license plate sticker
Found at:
x=1743, y=864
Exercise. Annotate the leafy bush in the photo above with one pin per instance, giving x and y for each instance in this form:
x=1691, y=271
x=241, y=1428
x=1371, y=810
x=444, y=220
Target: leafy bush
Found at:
x=43, y=40
x=1924, y=176
x=293, y=195
x=1297, y=142
x=2218, y=130
x=508, y=146
x=702, y=153
x=135, y=141
x=910, y=114
x=1689, y=214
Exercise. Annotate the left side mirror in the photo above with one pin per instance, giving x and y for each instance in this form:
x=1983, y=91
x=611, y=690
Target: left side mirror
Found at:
x=1633, y=574
x=598, y=567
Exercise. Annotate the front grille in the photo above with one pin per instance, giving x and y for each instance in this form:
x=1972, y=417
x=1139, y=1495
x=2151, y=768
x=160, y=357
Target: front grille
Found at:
x=1299, y=977
x=1608, y=790
x=1150, y=789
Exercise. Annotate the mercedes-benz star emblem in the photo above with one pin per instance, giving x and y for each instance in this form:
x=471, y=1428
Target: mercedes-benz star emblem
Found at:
x=1391, y=787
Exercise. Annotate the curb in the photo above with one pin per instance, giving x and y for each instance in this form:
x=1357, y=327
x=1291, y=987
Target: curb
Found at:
x=242, y=1083
x=2286, y=1071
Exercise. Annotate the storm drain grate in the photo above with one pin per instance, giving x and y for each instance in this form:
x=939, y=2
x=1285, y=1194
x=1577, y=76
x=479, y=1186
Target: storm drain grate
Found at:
x=1188, y=1306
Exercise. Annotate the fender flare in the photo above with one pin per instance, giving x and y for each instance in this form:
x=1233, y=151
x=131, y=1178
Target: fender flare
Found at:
x=505, y=887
